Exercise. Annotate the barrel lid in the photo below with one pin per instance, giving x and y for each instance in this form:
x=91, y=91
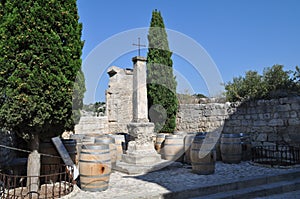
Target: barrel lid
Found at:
x=97, y=146
x=173, y=136
x=68, y=140
x=192, y=133
x=105, y=140
x=118, y=136
x=76, y=136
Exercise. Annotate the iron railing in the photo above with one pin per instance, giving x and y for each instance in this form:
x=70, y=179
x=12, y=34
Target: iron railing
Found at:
x=52, y=186
x=279, y=155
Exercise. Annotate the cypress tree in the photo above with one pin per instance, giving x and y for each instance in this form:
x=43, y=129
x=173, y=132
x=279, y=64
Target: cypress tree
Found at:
x=40, y=57
x=78, y=94
x=161, y=83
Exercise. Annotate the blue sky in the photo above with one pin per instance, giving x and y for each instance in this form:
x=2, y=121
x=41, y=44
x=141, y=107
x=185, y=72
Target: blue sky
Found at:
x=238, y=35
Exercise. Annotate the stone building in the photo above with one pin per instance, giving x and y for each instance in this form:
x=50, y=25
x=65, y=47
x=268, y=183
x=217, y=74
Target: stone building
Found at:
x=119, y=99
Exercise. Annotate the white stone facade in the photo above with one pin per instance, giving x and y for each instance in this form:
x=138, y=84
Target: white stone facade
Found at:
x=119, y=99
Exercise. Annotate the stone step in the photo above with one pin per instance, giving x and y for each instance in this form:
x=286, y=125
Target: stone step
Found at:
x=257, y=191
x=283, y=182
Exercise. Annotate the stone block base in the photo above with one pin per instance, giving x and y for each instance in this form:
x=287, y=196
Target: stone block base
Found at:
x=141, y=159
x=132, y=169
x=140, y=156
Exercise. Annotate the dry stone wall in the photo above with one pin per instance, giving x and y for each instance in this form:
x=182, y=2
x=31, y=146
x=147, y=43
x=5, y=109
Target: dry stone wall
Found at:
x=201, y=117
x=267, y=121
x=92, y=125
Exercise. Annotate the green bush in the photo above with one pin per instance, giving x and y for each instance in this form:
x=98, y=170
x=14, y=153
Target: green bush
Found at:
x=273, y=83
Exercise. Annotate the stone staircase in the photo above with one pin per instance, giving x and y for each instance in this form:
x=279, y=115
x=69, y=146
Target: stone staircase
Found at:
x=248, y=188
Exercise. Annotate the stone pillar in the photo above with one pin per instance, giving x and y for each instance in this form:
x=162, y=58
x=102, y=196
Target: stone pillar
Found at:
x=140, y=102
x=140, y=156
x=33, y=169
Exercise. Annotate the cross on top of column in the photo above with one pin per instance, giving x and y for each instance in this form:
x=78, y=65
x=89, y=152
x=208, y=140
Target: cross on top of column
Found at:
x=139, y=46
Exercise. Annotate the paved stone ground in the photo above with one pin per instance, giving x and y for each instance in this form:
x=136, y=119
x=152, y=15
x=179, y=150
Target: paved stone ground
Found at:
x=176, y=177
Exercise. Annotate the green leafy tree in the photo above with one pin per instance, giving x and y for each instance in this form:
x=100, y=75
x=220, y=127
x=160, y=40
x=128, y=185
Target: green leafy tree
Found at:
x=253, y=85
x=296, y=79
x=297, y=75
x=161, y=83
x=276, y=78
x=199, y=95
x=275, y=82
x=233, y=89
x=40, y=58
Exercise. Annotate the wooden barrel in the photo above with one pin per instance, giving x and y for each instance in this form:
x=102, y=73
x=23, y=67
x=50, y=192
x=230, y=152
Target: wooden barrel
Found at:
x=173, y=148
x=7, y=155
x=48, y=148
x=120, y=144
x=153, y=139
x=128, y=138
x=70, y=145
x=87, y=139
x=107, y=139
x=246, y=146
x=203, y=155
x=188, y=140
x=50, y=159
x=78, y=138
x=218, y=150
x=94, y=167
x=231, y=148
x=51, y=162
x=159, y=142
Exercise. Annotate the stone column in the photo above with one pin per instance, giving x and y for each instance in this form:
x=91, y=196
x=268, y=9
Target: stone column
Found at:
x=33, y=172
x=140, y=102
x=140, y=155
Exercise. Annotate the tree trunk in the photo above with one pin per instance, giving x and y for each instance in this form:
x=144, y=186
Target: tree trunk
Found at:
x=34, y=166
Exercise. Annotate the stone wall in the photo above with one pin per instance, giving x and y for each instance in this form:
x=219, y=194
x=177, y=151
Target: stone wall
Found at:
x=92, y=125
x=268, y=121
x=201, y=117
x=119, y=99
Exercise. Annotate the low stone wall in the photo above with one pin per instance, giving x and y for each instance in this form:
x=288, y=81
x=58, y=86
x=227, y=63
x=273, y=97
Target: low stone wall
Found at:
x=201, y=117
x=92, y=125
x=267, y=121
